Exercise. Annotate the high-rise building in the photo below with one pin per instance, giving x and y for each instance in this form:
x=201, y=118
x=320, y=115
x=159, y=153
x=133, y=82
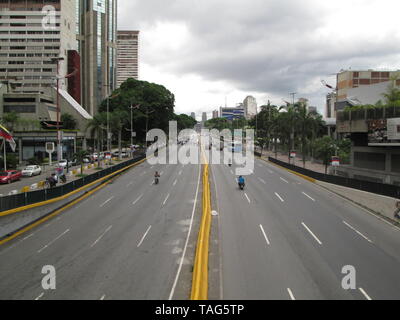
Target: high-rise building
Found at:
x=204, y=117
x=127, y=56
x=32, y=33
x=193, y=115
x=97, y=43
x=215, y=114
x=250, y=107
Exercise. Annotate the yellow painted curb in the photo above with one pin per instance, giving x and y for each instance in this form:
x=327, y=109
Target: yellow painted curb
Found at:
x=57, y=212
x=39, y=204
x=200, y=272
x=25, y=189
x=291, y=171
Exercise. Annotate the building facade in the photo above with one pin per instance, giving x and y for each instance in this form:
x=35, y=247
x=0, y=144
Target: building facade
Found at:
x=32, y=33
x=193, y=115
x=96, y=29
x=215, y=114
x=204, y=117
x=250, y=107
x=350, y=79
x=127, y=56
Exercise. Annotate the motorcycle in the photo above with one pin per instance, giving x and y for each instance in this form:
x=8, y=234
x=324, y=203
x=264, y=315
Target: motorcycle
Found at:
x=241, y=186
x=156, y=180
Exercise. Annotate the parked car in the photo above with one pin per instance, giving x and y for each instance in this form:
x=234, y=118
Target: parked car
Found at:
x=10, y=176
x=31, y=171
x=107, y=155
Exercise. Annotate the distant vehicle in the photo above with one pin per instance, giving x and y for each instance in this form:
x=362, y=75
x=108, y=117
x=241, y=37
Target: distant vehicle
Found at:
x=107, y=155
x=87, y=160
x=10, y=176
x=31, y=171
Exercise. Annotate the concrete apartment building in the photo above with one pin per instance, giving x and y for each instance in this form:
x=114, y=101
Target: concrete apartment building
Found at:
x=31, y=34
x=127, y=56
x=250, y=107
x=204, y=117
x=351, y=79
x=374, y=132
x=215, y=114
x=96, y=29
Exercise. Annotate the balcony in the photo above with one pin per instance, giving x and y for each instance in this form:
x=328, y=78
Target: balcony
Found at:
x=356, y=121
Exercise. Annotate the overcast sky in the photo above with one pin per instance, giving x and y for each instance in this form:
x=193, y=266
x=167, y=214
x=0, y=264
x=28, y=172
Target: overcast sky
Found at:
x=206, y=50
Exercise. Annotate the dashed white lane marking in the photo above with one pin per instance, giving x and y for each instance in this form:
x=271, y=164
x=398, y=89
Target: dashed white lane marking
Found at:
x=144, y=236
x=280, y=198
x=248, y=199
x=232, y=171
x=175, y=182
x=103, y=297
x=262, y=180
x=107, y=202
x=171, y=295
x=265, y=235
x=30, y=236
x=48, y=245
x=308, y=196
x=365, y=294
x=40, y=296
x=309, y=230
x=137, y=200
x=284, y=180
x=291, y=294
x=166, y=199
x=161, y=173
x=102, y=235
x=358, y=232
x=129, y=184
x=270, y=171
x=180, y=172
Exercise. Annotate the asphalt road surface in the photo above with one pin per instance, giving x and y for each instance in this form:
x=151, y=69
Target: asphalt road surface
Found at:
x=280, y=238
x=124, y=242
x=286, y=238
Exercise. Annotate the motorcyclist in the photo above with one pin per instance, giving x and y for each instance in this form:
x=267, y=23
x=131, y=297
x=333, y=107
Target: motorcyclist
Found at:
x=156, y=177
x=241, y=181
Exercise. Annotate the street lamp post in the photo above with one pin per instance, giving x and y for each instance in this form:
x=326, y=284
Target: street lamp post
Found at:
x=59, y=140
x=293, y=94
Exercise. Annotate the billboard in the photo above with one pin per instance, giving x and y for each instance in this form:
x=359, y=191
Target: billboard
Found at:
x=384, y=131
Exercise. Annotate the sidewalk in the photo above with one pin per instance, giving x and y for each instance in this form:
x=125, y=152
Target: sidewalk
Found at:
x=313, y=166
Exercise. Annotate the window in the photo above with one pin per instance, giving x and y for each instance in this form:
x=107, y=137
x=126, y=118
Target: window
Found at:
x=20, y=109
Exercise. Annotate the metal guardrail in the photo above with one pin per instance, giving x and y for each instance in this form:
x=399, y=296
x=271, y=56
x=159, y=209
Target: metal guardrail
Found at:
x=29, y=198
x=373, y=187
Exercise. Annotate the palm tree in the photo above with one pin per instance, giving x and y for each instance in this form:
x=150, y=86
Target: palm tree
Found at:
x=79, y=156
x=96, y=126
x=117, y=120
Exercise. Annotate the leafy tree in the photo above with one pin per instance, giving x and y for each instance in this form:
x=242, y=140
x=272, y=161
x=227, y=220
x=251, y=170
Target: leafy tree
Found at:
x=156, y=106
x=96, y=126
x=325, y=148
x=185, y=121
x=11, y=120
x=69, y=122
x=117, y=120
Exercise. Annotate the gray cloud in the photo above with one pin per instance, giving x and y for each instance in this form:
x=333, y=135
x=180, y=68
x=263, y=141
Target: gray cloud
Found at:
x=264, y=46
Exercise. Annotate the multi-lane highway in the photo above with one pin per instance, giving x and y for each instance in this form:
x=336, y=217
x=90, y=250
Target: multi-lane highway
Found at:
x=281, y=238
x=127, y=241
x=286, y=238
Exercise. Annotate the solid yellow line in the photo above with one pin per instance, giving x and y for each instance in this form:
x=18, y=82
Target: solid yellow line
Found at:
x=40, y=204
x=200, y=272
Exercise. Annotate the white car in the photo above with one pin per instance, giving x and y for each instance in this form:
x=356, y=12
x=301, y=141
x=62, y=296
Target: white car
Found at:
x=31, y=171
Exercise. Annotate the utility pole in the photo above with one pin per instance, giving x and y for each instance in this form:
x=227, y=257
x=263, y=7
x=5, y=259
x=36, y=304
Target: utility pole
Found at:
x=59, y=140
